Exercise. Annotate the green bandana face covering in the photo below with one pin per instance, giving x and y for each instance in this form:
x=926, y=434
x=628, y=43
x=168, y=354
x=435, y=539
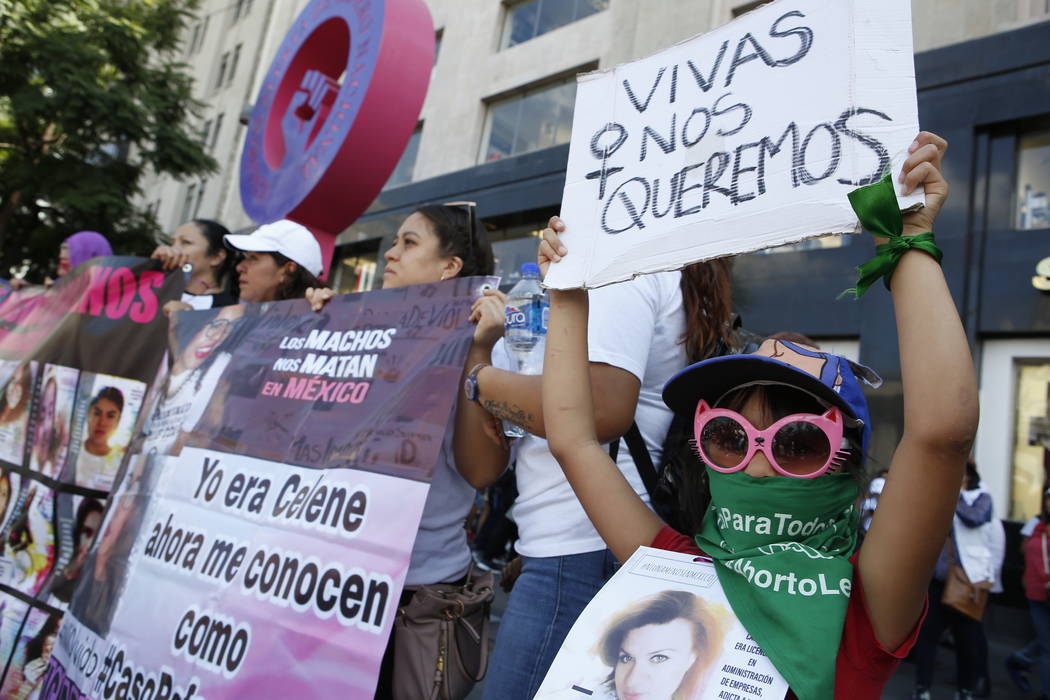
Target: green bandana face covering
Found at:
x=781, y=547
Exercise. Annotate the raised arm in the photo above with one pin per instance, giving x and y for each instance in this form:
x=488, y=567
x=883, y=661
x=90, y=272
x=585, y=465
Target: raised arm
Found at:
x=615, y=510
x=940, y=420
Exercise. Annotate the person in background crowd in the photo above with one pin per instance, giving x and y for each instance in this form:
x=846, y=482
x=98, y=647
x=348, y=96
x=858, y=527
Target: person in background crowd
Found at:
x=967, y=546
x=77, y=249
x=200, y=244
x=769, y=427
x=1036, y=580
x=281, y=261
x=435, y=243
x=993, y=539
x=642, y=332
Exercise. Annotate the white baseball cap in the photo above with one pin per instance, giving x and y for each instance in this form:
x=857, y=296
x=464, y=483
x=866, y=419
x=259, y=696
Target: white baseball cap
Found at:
x=293, y=241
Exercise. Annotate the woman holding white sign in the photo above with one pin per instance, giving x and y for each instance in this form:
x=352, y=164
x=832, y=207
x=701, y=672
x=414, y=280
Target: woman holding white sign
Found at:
x=783, y=433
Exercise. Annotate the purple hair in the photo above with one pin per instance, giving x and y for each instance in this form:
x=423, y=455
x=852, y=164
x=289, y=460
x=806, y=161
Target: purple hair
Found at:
x=85, y=245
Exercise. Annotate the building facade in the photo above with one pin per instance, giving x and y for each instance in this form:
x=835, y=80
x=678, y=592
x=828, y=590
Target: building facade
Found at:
x=495, y=126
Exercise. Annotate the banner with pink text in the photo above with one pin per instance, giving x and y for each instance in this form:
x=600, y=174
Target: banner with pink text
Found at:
x=76, y=363
x=259, y=541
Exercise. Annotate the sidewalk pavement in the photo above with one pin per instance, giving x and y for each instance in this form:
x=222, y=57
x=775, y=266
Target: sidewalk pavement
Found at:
x=1007, y=628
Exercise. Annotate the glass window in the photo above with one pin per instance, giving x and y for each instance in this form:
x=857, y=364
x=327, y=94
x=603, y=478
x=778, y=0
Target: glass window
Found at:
x=233, y=64
x=205, y=132
x=197, y=204
x=747, y=7
x=404, y=171
x=215, y=132
x=1033, y=181
x=223, y=65
x=1031, y=438
x=527, y=20
x=187, y=204
x=357, y=268
x=809, y=244
x=529, y=121
x=242, y=9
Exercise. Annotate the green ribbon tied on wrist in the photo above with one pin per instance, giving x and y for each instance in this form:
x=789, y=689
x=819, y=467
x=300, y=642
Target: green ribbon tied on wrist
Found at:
x=876, y=207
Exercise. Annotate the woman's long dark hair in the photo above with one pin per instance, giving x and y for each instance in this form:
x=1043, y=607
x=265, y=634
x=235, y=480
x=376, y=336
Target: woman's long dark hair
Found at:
x=295, y=286
x=35, y=646
x=707, y=298
x=460, y=234
x=215, y=233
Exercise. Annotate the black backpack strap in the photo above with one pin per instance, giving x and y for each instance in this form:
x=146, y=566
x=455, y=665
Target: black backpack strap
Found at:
x=643, y=461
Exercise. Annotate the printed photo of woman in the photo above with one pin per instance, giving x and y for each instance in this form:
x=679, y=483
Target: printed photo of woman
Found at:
x=105, y=414
x=87, y=524
x=15, y=402
x=30, y=661
x=29, y=554
x=201, y=352
x=51, y=430
x=657, y=648
x=95, y=601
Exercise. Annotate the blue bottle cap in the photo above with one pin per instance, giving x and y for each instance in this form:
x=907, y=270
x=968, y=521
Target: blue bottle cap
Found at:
x=530, y=269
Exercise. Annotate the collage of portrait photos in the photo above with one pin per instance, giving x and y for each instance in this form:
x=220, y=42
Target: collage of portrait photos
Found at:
x=64, y=434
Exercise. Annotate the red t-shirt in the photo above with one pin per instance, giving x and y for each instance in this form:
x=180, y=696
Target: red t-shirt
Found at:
x=863, y=666
x=1036, y=568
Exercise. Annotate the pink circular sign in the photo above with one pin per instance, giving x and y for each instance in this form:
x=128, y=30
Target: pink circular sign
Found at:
x=338, y=104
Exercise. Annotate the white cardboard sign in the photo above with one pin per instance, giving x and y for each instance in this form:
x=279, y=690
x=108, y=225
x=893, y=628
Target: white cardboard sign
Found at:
x=614, y=651
x=744, y=138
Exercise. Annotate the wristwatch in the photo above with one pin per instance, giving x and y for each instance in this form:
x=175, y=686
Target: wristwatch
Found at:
x=470, y=384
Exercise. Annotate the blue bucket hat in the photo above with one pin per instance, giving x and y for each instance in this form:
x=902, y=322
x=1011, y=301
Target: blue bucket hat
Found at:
x=831, y=379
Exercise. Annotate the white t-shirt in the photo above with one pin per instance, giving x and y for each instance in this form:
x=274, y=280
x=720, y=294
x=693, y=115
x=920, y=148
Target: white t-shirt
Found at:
x=636, y=326
x=441, y=552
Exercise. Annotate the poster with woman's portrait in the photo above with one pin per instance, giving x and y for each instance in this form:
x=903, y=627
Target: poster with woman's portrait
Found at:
x=201, y=347
x=104, y=418
x=15, y=404
x=29, y=540
x=12, y=614
x=661, y=629
x=79, y=521
x=53, y=411
x=10, y=481
x=105, y=570
x=32, y=652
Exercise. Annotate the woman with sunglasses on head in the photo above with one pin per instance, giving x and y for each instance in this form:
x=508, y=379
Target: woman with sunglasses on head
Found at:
x=782, y=434
x=200, y=243
x=434, y=243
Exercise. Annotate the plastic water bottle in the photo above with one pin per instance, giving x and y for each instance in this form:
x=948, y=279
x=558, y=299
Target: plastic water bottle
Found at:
x=525, y=328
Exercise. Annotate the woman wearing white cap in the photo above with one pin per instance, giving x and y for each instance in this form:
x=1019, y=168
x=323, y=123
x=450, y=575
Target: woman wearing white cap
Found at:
x=281, y=261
